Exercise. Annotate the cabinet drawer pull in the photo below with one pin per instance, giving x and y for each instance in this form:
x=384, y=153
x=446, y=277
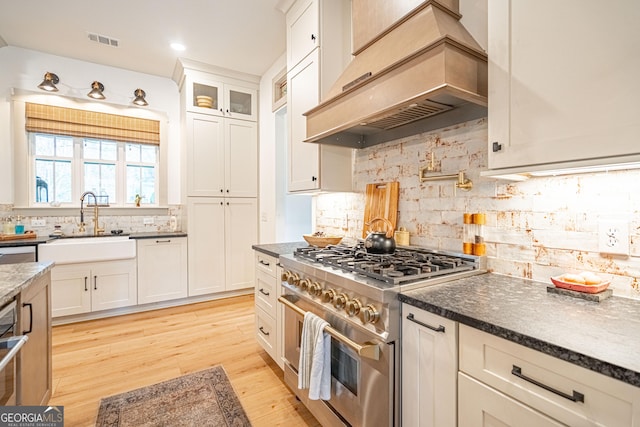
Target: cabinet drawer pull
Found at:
x=85, y=283
x=263, y=331
x=95, y=283
x=25, y=304
x=265, y=263
x=575, y=397
x=440, y=328
x=266, y=294
x=163, y=241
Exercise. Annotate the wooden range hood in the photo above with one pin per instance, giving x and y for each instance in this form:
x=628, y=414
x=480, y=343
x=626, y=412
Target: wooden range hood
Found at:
x=422, y=72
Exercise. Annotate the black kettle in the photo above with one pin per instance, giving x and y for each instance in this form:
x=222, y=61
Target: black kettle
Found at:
x=380, y=242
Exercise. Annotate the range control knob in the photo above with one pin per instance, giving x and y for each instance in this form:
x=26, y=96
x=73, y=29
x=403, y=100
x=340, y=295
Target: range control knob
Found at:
x=315, y=289
x=285, y=275
x=293, y=279
x=340, y=301
x=370, y=314
x=328, y=295
x=353, y=307
x=304, y=284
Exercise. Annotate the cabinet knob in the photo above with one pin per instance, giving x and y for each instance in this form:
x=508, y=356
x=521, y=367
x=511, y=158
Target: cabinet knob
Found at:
x=313, y=38
x=496, y=147
x=314, y=178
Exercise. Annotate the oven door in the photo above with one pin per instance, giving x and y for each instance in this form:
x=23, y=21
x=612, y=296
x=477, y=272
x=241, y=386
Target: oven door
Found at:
x=362, y=389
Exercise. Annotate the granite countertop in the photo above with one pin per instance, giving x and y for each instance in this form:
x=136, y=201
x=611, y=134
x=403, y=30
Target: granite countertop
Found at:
x=16, y=277
x=277, y=249
x=24, y=242
x=157, y=234
x=603, y=337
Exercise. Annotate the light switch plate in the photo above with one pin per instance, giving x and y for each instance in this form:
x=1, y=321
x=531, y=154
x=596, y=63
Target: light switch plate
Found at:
x=38, y=222
x=613, y=237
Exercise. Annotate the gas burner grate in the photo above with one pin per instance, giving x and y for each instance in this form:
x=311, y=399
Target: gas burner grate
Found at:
x=404, y=266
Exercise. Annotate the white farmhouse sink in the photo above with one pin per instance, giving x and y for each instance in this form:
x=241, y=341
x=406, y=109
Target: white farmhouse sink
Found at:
x=87, y=249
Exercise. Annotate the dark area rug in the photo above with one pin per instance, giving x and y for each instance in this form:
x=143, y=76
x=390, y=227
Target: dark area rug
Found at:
x=204, y=398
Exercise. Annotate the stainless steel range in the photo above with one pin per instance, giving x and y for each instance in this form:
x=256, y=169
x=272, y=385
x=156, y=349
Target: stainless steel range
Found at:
x=356, y=292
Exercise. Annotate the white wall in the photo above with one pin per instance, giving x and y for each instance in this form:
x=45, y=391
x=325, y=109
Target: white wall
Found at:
x=267, y=157
x=283, y=217
x=24, y=69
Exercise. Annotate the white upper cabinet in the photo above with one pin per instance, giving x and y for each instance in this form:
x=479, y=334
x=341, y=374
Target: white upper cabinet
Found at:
x=208, y=96
x=316, y=54
x=222, y=156
x=302, y=31
x=563, y=83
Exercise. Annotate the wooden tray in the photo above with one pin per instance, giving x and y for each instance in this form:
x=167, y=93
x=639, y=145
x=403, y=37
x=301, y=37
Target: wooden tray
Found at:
x=28, y=235
x=381, y=201
x=588, y=289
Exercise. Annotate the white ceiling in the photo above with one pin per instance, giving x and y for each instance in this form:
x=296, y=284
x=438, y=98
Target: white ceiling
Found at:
x=242, y=35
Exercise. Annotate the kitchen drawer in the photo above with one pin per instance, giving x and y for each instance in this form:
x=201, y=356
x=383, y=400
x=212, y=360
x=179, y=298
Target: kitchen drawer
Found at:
x=266, y=296
x=482, y=406
x=495, y=361
x=266, y=263
x=266, y=332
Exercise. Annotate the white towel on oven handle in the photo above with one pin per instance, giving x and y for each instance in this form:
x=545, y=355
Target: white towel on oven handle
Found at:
x=314, y=365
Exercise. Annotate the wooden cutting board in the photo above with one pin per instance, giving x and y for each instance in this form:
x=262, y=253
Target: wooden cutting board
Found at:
x=381, y=201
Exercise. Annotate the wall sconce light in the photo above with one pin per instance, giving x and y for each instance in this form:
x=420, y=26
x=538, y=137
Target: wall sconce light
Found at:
x=49, y=83
x=96, y=90
x=139, y=100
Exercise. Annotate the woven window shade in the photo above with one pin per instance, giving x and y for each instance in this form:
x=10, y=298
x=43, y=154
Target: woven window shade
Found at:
x=69, y=121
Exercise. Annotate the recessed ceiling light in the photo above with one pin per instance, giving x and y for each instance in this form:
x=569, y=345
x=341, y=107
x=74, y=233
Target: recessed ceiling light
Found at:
x=177, y=46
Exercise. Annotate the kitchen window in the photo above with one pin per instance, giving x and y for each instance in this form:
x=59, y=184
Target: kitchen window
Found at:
x=72, y=151
x=65, y=167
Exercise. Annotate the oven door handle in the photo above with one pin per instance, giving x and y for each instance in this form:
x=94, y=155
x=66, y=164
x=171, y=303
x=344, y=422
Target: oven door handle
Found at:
x=14, y=344
x=369, y=350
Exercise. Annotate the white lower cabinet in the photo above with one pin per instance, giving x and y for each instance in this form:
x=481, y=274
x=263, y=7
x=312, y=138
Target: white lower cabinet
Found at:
x=482, y=406
x=222, y=231
x=86, y=287
x=505, y=381
x=162, y=269
x=269, y=313
x=429, y=368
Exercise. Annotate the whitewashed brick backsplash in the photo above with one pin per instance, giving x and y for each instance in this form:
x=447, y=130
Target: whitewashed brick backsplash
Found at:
x=535, y=229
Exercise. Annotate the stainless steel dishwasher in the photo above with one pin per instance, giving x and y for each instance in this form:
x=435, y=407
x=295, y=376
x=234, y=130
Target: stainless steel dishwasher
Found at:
x=17, y=254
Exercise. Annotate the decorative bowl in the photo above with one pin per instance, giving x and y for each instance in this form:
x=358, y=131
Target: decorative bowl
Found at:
x=204, y=101
x=321, y=241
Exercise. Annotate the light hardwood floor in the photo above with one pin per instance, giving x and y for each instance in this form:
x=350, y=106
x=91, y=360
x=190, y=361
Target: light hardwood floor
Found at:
x=100, y=358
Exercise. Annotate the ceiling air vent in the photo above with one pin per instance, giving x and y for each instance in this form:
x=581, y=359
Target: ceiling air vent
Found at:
x=106, y=40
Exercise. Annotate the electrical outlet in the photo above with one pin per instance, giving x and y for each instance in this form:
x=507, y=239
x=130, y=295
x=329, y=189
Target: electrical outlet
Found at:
x=148, y=221
x=613, y=237
x=38, y=222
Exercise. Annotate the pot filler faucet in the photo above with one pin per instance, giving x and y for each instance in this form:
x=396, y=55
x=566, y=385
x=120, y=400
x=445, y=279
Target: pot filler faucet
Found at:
x=97, y=230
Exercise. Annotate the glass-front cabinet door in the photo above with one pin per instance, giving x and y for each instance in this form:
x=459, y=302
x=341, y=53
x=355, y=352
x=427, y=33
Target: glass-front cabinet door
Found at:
x=205, y=96
x=241, y=103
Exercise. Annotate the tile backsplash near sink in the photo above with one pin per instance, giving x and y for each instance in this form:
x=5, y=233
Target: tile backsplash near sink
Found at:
x=535, y=229
x=127, y=223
